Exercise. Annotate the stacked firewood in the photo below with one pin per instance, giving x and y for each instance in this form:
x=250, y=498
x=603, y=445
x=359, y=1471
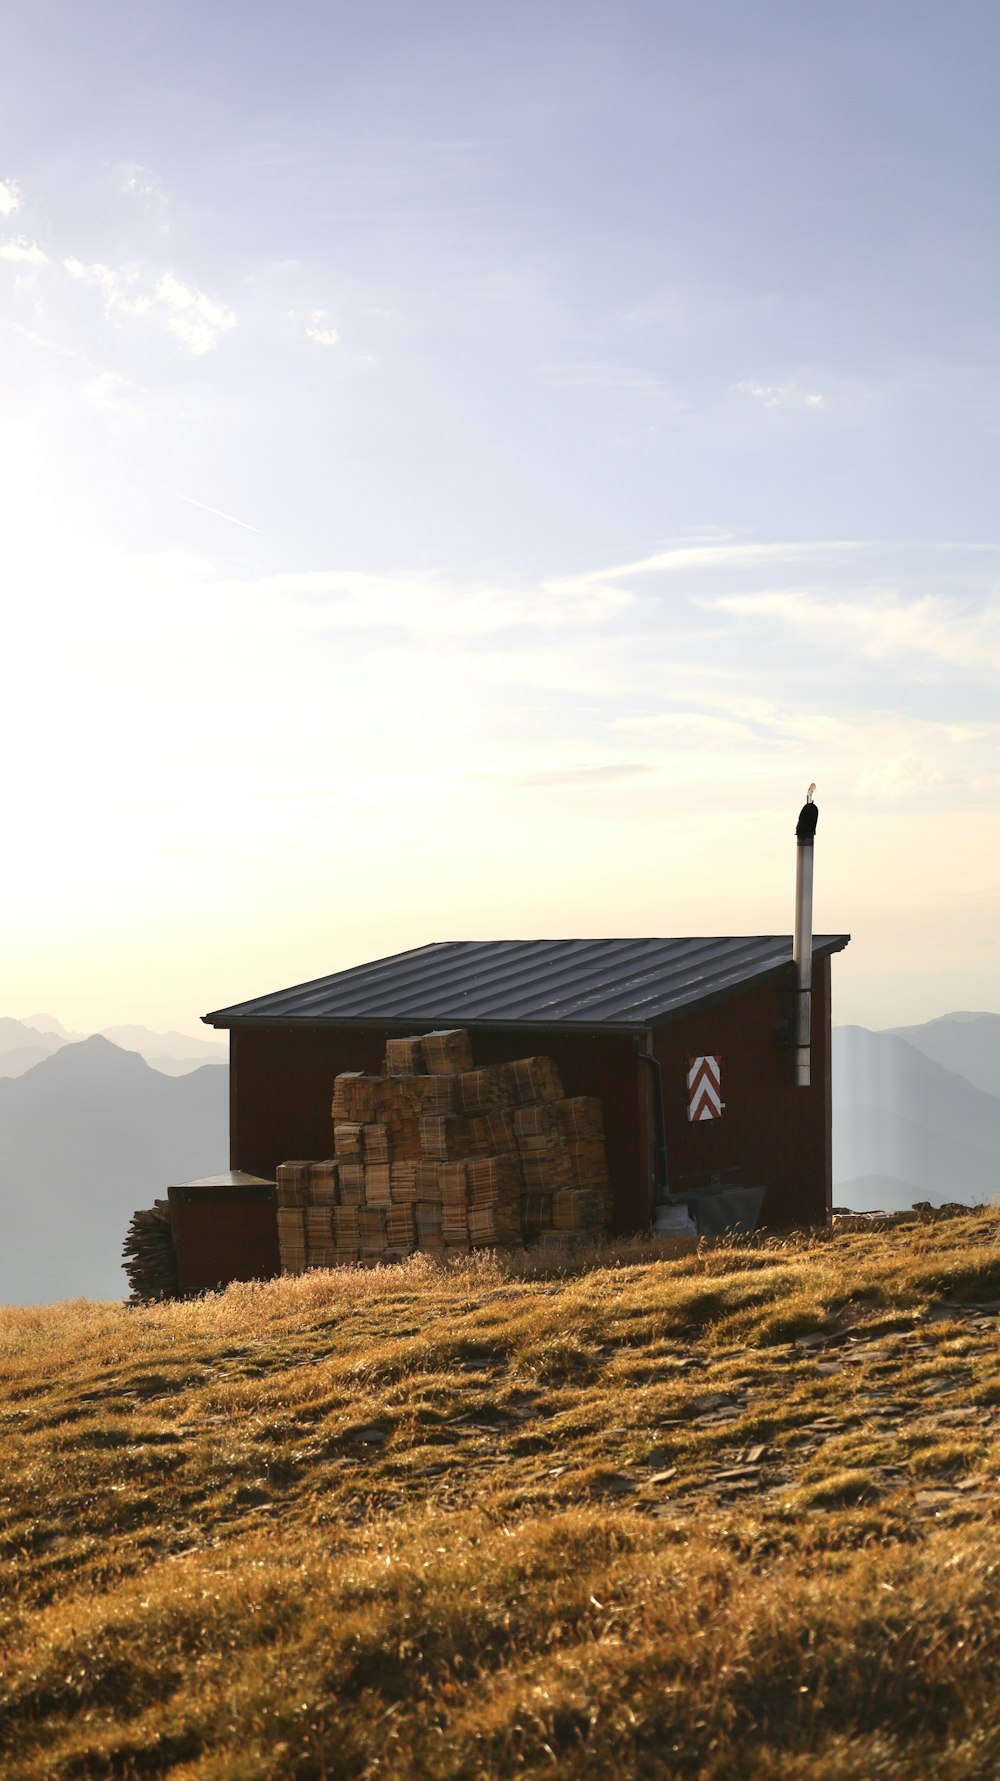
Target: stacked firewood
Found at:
x=439, y=1155
x=149, y=1258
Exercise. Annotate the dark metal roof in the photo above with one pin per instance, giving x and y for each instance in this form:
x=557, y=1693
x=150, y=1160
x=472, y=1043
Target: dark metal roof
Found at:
x=609, y=983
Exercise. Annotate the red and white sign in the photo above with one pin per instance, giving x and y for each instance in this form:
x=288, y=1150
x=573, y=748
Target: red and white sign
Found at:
x=704, y=1088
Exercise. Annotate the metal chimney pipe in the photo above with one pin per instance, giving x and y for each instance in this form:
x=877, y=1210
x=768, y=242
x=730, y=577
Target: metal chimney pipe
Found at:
x=802, y=946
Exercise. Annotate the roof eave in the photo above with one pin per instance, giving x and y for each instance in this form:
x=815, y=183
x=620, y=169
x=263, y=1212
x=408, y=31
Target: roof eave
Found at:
x=406, y=1023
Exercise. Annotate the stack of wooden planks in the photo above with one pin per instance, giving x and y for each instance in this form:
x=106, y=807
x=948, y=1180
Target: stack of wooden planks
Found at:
x=441, y=1155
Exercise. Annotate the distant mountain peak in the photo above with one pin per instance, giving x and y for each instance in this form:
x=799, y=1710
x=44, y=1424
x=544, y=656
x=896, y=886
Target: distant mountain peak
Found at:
x=96, y=1052
x=964, y=1015
x=17, y=1035
x=47, y=1023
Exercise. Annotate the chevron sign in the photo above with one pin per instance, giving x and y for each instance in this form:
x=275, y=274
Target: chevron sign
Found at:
x=704, y=1081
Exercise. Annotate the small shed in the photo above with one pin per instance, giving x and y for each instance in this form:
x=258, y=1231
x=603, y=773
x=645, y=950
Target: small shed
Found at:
x=223, y=1228
x=688, y=1043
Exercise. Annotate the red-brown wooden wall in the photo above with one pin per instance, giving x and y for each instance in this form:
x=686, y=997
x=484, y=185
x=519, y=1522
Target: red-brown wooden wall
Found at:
x=771, y=1131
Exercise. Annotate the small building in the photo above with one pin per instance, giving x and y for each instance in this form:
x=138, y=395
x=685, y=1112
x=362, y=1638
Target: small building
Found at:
x=688, y=1043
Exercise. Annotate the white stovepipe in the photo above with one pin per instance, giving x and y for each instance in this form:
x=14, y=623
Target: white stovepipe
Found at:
x=802, y=955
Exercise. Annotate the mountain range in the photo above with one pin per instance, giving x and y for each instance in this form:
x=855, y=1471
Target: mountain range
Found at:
x=969, y=1044
x=916, y=1113
x=86, y=1136
x=24, y=1043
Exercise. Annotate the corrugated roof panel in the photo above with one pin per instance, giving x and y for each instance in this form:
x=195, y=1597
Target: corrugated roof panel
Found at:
x=621, y=983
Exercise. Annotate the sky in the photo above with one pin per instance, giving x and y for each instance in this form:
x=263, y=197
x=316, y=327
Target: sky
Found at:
x=464, y=470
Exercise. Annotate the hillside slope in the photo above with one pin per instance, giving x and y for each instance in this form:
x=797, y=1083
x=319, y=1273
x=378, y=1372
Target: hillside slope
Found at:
x=733, y=1515
x=86, y=1137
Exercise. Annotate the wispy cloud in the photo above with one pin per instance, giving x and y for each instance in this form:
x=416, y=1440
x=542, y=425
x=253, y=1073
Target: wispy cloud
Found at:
x=142, y=185
x=119, y=287
x=782, y=395
x=867, y=758
x=217, y=511
x=103, y=374
x=22, y=252
x=195, y=319
x=698, y=729
x=677, y=558
x=606, y=376
x=433, y=605
x=319, y=326
x=949, y=632
x=585, y=776
x=10, y=197
x=902, y=776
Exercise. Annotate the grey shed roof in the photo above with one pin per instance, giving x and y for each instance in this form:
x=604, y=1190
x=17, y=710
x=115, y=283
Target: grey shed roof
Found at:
x=610, y=983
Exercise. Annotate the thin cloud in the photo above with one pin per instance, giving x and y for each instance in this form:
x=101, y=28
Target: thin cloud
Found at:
x=22, y=252
x=119, y=288
x=138, y=182
x=605, y=376
x=867, y=756
x=697, y=728
x=195, y=319
x=882, y=625
x=432, y=605
x=66, y=352
x=217, y=511
x=782, y=395
x=585, y=775
x=683, y=557
x=319, y=328
x=10, y=197
x=142, y=185
x=905, y=776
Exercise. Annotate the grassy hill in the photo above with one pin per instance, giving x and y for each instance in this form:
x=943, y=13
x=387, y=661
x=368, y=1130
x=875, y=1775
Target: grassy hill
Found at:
x=729, y=1515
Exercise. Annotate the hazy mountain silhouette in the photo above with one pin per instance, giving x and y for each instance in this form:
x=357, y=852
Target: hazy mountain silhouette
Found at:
x=47, y=1023
x=21, y=1058
x=86, y=1136
x=907, y=1128
x=21, y=1047
x=968, y=1043
x=176, y=1046
x=23, y=1043
x=15, y=1034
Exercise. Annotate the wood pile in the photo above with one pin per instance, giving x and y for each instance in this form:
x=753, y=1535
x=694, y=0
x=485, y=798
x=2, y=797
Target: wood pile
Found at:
x=149, y=1258
x=441, y=1155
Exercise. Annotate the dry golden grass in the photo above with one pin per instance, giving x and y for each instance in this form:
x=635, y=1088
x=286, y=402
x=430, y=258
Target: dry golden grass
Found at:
x=733, y=1515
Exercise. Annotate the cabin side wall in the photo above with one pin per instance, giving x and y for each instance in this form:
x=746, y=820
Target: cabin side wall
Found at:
x=771, y=1132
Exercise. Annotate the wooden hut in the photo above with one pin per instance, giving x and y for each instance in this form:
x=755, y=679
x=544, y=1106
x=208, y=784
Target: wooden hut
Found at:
x=688, y=1043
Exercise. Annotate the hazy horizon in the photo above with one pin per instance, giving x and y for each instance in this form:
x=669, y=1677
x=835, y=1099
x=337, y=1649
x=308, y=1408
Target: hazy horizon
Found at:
x=209, y=1035
x=465, y=471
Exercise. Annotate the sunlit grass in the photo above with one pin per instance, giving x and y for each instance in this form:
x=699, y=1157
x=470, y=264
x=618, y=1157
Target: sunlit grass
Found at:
x=728, y=1514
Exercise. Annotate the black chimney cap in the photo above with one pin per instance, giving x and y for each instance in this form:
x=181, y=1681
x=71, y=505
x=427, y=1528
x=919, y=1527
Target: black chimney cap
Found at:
x=805, y=828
